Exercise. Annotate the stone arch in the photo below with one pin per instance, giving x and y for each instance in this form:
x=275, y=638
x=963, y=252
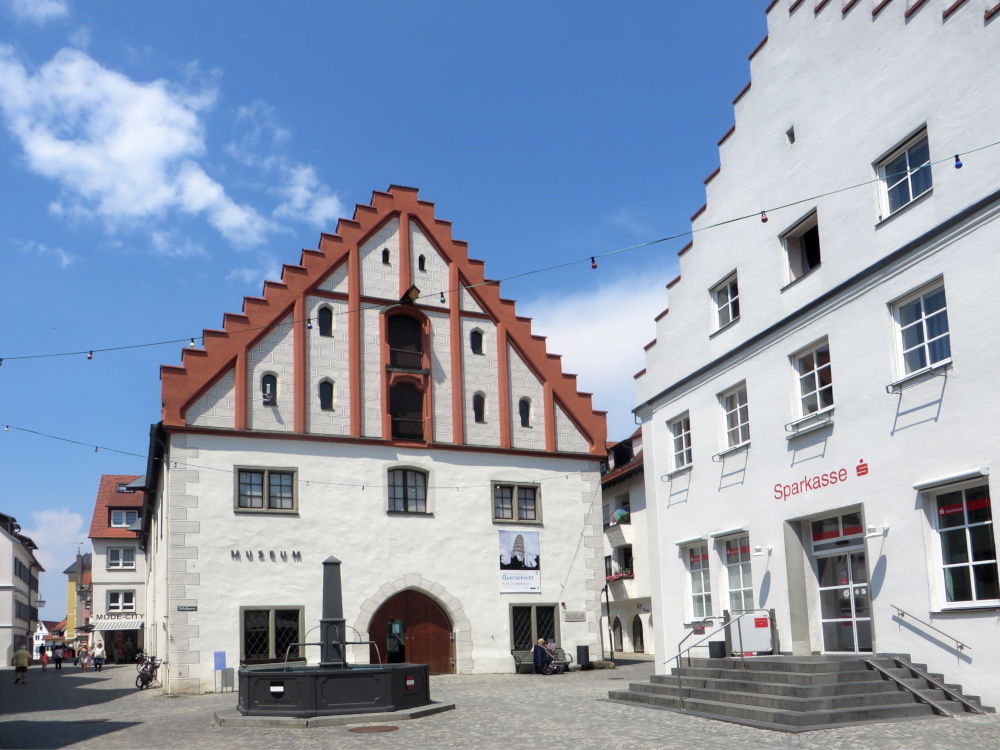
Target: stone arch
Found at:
x=464, y=663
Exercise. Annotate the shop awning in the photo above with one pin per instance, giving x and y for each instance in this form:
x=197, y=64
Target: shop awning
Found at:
x=99, y=623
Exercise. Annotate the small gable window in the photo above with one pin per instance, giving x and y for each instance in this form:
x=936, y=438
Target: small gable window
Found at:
x=476, y=341
x=524, y=409
x=325, y=321
x=326, y=395
x=269, y=389
x=385, y=256
x=479, y=408
x=422, y=262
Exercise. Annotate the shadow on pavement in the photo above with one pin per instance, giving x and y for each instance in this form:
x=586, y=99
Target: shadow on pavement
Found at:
x=45, y=691
x=55, y=734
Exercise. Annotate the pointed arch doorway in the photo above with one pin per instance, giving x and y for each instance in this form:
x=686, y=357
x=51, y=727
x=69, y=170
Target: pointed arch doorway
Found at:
x=412, y=627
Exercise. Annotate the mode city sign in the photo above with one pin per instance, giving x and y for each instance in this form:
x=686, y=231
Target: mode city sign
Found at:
x=819, y=481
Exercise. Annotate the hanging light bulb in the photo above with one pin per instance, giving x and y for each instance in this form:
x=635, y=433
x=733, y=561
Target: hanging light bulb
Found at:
x=192, y=341
x=95, y=449
x=309, y=323
x=442, y=298
x=90, y=355
x=6, y=428
x=593, y=262
x=763, y=217
x=1, y=361
x=958, y=162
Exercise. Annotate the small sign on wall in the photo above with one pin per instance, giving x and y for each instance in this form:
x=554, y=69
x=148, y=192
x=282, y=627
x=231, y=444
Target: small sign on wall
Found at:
x=574, y=616
x=187, y=607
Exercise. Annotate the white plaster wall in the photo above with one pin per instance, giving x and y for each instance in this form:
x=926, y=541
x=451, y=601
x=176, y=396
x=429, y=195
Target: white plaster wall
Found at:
x=328, y=357
x=272, y=354
x=105, y=580
x=351, y=523
x=441, y=375
x=371, y=372
x=479, y=373
x=379, y=279
x=217, y=407
x=568, y=438
x=434, y=280
x=524, y=384
x=469, y=304
x=336, y=281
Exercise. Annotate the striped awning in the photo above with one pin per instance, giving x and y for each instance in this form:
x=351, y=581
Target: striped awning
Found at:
x=99, y=623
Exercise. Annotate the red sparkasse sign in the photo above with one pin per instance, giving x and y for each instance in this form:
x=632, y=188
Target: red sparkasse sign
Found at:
x=761, y=622
x=818, y=481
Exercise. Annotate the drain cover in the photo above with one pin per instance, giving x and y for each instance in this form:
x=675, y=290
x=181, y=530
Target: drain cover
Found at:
x=373, y=730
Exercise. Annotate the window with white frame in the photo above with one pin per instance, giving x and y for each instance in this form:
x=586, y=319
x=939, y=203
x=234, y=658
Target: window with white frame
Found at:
x=516, y=503
x=968, y=547
x=680, y=435
x=737, y=415
x=922, y=319
x=738, y=574
x=121, y=601
x=815, y=379
x=802, y=247
x=407, y=491
x=121, y=558
x=701, y=582
x=726, y=298
x=905, y=174
x=123, y=518
x=265, y=490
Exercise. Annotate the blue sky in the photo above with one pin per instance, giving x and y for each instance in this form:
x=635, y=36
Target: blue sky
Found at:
x=159, y=160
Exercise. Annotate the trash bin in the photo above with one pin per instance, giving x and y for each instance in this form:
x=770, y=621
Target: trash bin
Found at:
x=716, y=649
x=583, y=656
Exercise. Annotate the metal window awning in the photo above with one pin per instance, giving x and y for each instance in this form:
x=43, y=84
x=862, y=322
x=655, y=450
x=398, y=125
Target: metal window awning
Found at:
x=952, y=479
x=100, y=623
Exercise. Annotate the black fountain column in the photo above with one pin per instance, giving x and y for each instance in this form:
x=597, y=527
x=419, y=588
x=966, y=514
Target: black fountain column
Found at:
x=331, y=625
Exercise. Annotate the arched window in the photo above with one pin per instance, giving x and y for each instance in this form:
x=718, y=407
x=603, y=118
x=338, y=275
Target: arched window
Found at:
x=524, y=409
x=479, y=408
x=476, y=341
x=385, y=255
x=406, y=407
x=269, y=389
x=422, y=262
x=326, y=395
x=637, y=641
x=407, y=491
x=406, y=342
x=616, y=630
x=325, y=321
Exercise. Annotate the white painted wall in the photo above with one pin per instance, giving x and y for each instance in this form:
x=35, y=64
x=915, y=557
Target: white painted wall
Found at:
x=434, y=279
x=328, y=357
x=525, y=384
x=217, y=407
x=479, y=373
x=272, y=354
x=440, y=351
x=380, y=279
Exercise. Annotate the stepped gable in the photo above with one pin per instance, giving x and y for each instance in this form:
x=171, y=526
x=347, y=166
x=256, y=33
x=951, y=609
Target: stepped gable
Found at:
x=226, y=348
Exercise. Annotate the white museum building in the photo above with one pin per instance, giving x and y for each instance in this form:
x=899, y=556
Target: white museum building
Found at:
x=383, y=404
x=816, y=406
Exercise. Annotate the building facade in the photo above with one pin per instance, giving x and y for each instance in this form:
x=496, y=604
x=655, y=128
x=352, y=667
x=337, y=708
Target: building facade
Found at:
x=118, y=567
x=18, y=588
x=815, y=406
x=79, y=599
x=383, y=404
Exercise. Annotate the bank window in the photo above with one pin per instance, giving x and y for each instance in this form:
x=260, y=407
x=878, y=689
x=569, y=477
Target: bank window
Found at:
x=516, y=503
x=802, y=251
x=905, y=174
x=726, y=299
x=815, y=377
x=922, y=320
x=121, y=601
x=738, y=574
x=407, y=491
x=680, y=434
x=123, y=518
x=529, y=623
x=968, y=547
x=736, y=414
x=121, y=558
x=701, y=582
x=265, y=489
x=268, y=634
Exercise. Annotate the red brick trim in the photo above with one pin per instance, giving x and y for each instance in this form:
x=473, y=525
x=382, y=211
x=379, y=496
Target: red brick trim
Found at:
x=819, y=6
x=848, y=6
x=639, y=374
x=794, y=6
x=684, y=249
x=300, y=375
x=951, y=9
x=758, y=48
x=879, y=7
x=661, y=315
x=503, y=384
x=743, y=92
x=725, y=136
x=991, y=12
x=699, y=212
x=650, y=345
x=712, y=176
x=673, y=281
x=457, y=347
x=772, y=4
x=354, y=337
x=405, y=262
x=550, y=417
x=914, y=8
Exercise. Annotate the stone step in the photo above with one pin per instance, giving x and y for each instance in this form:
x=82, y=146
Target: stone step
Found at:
x=785, y=664
x=787, y=702
x=780, y=688
x=856, y=674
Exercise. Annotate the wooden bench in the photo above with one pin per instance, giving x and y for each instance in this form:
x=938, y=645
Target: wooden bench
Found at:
x=524, y=662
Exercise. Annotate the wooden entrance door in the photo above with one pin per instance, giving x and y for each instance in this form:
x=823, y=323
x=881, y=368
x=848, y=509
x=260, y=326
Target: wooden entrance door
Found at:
x=412, y=627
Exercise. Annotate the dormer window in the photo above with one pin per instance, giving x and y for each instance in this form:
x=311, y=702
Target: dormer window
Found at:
x=325, y=316
x=124, y=488
x=476, y=341
x=269, y=389
x=122, y=519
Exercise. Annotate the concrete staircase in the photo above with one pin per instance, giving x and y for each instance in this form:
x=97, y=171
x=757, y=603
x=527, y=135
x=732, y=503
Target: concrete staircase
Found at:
x=796, y=694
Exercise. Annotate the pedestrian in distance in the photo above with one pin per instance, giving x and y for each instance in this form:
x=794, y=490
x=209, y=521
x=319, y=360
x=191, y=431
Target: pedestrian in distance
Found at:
x=43, y=658
x=99, y=656
x=58, y=654
x=21, y=660
x=83, y=658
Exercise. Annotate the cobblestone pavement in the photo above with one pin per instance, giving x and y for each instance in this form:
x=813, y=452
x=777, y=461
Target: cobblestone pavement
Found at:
x=71, y=709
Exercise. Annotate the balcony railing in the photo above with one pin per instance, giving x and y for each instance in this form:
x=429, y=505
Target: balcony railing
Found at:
x=407, y=429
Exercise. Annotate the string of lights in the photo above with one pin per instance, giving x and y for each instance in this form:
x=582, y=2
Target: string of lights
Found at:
x=363, y=486
x=592, y=259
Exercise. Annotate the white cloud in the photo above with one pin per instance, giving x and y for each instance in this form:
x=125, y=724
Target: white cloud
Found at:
x=173, y=244
x=58, y=533
x=63, y=259
x=121, y=150
x=39, y=11
x=601, y=330
x=308, y=199
x=629, y=220
x=267, y=268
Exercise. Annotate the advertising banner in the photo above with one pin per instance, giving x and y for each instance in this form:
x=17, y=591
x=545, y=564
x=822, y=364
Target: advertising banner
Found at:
x=520, y=562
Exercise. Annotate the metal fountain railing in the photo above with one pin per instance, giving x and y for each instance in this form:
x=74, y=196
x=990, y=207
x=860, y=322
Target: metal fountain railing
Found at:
x=289, y=647
x=903, y=613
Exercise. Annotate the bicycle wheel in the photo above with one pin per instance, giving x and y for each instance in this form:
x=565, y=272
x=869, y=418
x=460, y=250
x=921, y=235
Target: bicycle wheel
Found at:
x=140, y=681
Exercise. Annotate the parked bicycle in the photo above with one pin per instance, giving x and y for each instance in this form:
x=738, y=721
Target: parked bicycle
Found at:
x=140, y=659
x=148, y=673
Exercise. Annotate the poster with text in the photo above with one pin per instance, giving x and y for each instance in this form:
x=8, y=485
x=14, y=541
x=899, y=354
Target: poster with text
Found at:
x=520, y=562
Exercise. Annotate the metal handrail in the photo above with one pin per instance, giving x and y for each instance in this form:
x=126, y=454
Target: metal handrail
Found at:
x=953, y=694
x=921, y=698
x=705, y=622
x=676, y=657
x=903, y=613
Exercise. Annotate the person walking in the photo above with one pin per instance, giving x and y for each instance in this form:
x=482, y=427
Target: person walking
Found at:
x=83, y=658
x=21, y=660
x=58, y=654
x=43, y=657
x=99, y=656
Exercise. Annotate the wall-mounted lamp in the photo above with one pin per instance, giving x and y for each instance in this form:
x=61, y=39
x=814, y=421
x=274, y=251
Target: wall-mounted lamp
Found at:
x=760, y=551
x=873, y=531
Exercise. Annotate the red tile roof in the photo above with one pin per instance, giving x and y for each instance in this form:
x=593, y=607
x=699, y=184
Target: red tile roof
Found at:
x=108, y=498
x=622, y=472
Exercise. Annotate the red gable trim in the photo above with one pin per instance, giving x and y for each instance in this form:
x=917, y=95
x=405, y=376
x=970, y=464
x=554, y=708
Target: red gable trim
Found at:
x=991, y=12
x=952, y=8
x=699, y=212
x=768, y=8
x=726, y=135
x=795, y=6
x=673, y=281
x=639, y=374
x=847, y=7
x=758, y=48
x=684, y=249
x=914, y=8
x=819, y=6
x=712, y=176
x=661, y=315
x=878, y=8
x=743, y=92
x=650, y=345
